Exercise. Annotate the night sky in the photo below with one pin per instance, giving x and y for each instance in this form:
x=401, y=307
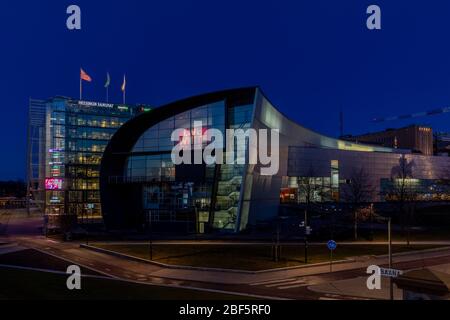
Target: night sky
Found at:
x=311, y=58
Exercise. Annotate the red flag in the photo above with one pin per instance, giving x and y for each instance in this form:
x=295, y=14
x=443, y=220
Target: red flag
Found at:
x=84, y=76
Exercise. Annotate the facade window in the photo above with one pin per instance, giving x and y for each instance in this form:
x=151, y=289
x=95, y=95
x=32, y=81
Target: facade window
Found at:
x=335, y=180
x=158, y=173
x=75, y=140
x=415, y=189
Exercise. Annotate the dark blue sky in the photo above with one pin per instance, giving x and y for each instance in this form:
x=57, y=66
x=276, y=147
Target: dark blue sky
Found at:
x=310, y=57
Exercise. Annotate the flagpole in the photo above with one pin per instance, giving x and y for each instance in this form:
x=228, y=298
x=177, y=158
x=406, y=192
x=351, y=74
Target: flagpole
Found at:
x=108, y=82
x=124, y=89
x=81, y=88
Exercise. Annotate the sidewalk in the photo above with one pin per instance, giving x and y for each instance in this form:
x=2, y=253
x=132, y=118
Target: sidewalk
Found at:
x=245, y=277
x=98, y=260
x=226, y=277
x=252, y=243
x=10, y=248
x=356, y=287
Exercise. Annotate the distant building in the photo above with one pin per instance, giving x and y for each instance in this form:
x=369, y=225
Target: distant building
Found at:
x=66, y=140
x=417, y=138
x=12, y=203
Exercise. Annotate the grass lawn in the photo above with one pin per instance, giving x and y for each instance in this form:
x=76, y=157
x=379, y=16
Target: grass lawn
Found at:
x=35, y=259
x=31, y=285
x=438, y=234
x=248, y=257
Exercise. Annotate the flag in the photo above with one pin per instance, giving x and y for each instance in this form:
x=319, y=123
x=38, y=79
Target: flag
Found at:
x=84, y=76
x=108, y=80
x=124, y=85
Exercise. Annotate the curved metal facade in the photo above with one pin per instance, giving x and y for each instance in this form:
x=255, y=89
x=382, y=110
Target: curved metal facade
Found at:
x=122, y=198
x=139, y=185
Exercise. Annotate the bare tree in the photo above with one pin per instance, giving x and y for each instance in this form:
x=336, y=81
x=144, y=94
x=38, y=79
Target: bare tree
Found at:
x=402, y=191
x=308, y=189
x=359, y=190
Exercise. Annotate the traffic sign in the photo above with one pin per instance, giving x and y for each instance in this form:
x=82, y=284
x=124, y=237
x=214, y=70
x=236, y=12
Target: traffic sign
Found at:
x=390, y=273
x=332, y=245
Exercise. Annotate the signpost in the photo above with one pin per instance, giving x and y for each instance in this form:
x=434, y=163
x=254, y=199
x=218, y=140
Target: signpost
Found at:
x=332, y=245
x=307, y=233
x=391, y=283
x=390, y=273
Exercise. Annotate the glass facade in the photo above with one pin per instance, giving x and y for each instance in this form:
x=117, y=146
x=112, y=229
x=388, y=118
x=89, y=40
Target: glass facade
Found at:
x=307, y=189
x=76, y=134
x=158, y=137
x=166, y=198
x=210, y=196
x=230, y=178
x=416, y=189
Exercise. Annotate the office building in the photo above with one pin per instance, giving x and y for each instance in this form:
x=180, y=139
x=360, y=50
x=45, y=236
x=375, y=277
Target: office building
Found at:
x=66, y=140
x=418, y=139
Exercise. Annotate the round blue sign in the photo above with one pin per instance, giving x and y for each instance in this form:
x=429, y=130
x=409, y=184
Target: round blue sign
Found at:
x=332, y=245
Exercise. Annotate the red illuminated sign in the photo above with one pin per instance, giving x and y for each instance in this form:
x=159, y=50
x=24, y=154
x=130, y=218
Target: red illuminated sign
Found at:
x=53, y=184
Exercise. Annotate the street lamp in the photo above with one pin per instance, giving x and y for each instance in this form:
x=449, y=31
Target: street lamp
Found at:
x=151, y=235
x=277, y=247
x=391, y=283
x=277, y=242
x=306, y=236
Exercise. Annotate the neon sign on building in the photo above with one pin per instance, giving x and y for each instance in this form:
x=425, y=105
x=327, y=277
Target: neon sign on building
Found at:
x=53, y=184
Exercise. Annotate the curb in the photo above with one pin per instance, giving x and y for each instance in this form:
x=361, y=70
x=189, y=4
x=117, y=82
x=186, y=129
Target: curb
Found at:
x=181, y=267
x=399, y=254
x=110, y=278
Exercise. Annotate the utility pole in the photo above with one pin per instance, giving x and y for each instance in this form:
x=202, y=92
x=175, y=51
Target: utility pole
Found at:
x=371, y=221
x=276, y=242
x=306, y=236
x=331, y=261
x=277, y=247
x=87, y=231
x=391, y=283
x=151, y=235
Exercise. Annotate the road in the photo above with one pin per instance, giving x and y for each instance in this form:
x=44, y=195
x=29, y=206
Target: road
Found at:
x=293, y=283
x=252, y=243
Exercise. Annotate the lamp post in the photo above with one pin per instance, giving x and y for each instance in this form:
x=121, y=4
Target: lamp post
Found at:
x=277, y=245
x=306, y=236
x=87, y=227
x=371, y=221
x=391, y=284
x=151, y=235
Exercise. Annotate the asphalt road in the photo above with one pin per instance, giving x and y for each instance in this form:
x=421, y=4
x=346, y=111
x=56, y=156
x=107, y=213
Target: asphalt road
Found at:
x=23, y=231
x=283, y=288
